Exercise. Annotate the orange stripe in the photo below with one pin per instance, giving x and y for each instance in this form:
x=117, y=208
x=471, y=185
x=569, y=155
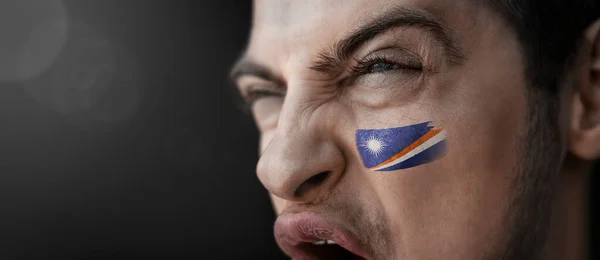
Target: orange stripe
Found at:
x=414, y=145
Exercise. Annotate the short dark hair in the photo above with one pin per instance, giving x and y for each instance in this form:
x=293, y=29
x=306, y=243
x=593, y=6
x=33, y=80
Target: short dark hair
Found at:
x=549, y=32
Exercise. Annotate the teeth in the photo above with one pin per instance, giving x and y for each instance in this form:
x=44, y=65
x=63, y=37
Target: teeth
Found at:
x=323, y=242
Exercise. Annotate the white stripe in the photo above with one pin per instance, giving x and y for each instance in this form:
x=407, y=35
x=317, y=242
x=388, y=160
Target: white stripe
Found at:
x=429, y=143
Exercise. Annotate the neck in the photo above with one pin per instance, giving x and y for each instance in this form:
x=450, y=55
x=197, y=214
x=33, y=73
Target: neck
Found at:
x=569, y=235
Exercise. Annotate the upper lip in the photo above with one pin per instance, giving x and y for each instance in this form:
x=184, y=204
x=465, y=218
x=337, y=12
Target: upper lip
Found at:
x=294, y=233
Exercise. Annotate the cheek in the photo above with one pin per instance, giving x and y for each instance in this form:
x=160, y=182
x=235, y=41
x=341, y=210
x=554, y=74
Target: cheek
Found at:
x=458, y=204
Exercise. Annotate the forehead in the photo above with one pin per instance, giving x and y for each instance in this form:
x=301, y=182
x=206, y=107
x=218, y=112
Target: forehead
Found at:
x=286, y=12
x=282, y=28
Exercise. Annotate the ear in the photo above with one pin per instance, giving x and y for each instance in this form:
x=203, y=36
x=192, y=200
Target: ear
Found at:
x=585, y=110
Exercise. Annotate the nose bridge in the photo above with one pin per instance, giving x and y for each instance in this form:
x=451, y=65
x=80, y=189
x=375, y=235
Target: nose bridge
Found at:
x=300, y=161
x=297, y=112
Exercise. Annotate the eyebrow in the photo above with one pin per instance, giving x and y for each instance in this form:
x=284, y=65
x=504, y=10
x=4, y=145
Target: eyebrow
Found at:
x=330, y=60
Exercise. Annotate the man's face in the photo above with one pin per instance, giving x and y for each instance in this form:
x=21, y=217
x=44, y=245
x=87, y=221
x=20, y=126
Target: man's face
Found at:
x=317, y=71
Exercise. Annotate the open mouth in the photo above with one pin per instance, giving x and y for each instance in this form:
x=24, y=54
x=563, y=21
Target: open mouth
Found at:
x=308, y=236
x=325, y=250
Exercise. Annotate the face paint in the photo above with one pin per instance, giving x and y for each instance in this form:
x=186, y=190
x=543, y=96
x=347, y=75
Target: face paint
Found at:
x=400, y=148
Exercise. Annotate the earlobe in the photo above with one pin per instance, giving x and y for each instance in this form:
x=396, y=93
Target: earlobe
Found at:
x=585, y=106
x=585, y=136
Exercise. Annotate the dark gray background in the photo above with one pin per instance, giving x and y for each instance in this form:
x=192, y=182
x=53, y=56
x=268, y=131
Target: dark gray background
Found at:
x=130, y=145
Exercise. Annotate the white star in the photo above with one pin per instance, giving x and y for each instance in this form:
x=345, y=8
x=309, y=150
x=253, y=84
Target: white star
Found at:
x=374, y=145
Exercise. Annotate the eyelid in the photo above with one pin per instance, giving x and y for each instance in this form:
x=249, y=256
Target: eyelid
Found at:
x=266, y=88
x=254, y=92
x=398, y=55
x=404, y=54
x=250, y=82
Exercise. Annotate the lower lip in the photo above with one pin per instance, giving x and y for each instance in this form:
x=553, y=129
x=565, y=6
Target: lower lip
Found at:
x=292, y=230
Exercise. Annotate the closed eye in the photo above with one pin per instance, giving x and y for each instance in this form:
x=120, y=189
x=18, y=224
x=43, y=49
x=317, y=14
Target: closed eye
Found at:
x=383, y=64
x=255, y=93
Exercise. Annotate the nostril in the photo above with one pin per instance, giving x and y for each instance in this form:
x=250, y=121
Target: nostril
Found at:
x=317, y=179
x=311, y=183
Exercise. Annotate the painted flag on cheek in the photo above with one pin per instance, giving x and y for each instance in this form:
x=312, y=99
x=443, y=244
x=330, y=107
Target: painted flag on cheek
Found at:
x=400, y=148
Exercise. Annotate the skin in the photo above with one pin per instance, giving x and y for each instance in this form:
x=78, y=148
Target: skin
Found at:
x=461, y=206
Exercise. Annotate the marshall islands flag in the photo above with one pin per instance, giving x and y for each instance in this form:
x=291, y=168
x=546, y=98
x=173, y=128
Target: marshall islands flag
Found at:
x=400, y=148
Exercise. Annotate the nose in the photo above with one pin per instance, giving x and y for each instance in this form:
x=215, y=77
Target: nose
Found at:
x=301, y=163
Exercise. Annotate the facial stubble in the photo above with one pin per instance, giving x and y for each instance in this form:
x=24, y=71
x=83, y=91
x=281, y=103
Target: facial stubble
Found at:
x=536, y=182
